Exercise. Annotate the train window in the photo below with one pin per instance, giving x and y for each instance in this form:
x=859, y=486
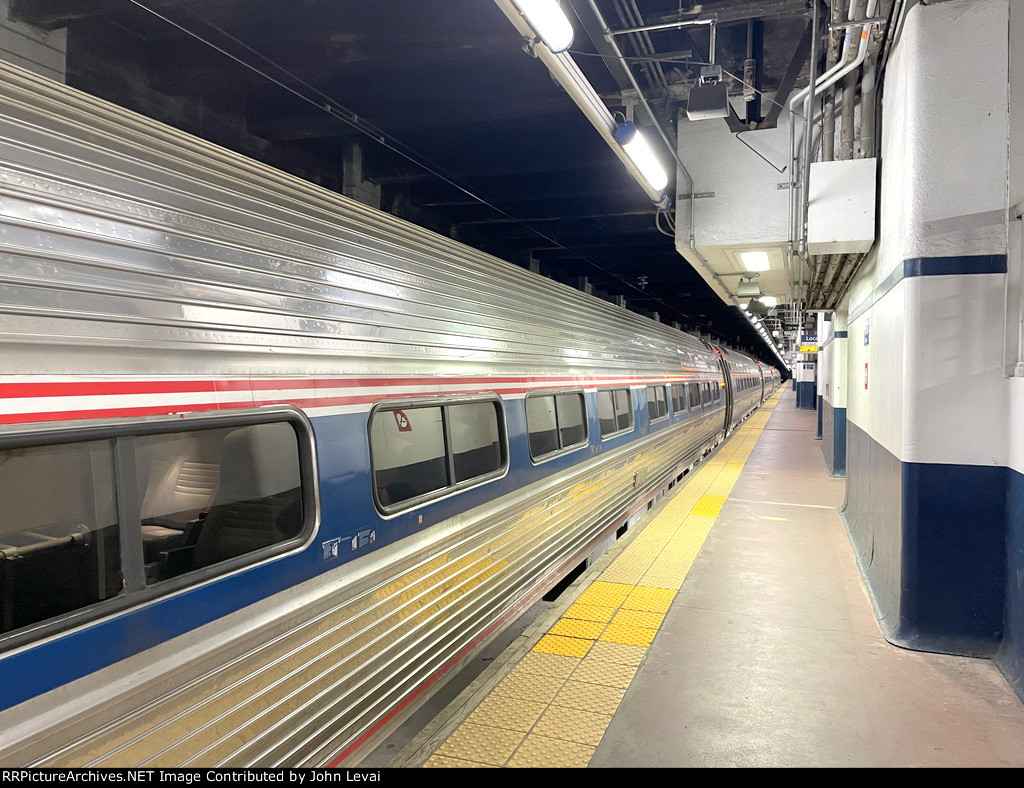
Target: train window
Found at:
x=678, y=397
x=420, y=450
x=694, y=394
x=572, y=419
x=555, y=422
x=657, y=403
x=409, y=456
x=210, y=495
x=615, y=411
x=705, y=393
x=716, y=392
x=59, y=552
x=182, y=499
x=541, y=425
x=475, y=439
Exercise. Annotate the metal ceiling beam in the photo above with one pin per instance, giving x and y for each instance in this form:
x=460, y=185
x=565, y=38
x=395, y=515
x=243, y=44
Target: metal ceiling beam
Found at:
x=796, y=65
x=740, y=10
x=616, y=67
x=53, y=14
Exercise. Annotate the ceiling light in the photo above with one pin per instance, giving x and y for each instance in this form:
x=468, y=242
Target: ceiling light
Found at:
x=640, y=153
x=769, y=301
x=744, y=307
x=755, y=261
x=548, y=21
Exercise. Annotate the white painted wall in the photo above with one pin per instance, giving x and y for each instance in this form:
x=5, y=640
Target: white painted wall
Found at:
x=37, y=50
x=833, y=358
x=1015, y=278
x=825, y=342
x=935, y=356
x=877, y=407
x=956, y=405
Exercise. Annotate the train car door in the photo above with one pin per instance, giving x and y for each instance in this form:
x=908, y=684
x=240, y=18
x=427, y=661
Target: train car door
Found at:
x=728, y=390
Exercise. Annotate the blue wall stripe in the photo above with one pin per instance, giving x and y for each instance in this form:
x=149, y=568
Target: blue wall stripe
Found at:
x=960, y=265
x=836, y=335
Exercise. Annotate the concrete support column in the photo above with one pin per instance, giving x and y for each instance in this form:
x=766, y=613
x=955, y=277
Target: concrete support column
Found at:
x=832, y=391
x=353, y=184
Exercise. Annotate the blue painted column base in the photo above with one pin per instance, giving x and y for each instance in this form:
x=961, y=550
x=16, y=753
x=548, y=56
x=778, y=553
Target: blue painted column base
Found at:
x=930, y=541
x=805, y=395
x=833, y=438
x=1010, y=657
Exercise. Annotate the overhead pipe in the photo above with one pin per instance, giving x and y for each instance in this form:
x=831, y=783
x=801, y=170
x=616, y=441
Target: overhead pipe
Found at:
x=846, y=130
x=827, y=79
x=808, y=136
x=866, y=142
x=565, y=71
x=609, y=36
x=712, y=20
x=892, y=12
x=828, y=128
x=628, y=11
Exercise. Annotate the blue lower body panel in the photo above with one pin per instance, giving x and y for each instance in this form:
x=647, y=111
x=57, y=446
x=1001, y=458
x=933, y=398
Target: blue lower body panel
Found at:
x=930, y=542
x=833, y=437
x=805, y=395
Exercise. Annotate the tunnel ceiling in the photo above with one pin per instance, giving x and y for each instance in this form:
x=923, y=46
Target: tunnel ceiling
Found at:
x=438, y=103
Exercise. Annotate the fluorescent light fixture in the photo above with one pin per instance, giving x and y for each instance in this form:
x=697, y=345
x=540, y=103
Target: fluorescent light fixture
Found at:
x=754, y=261
x=744, y=307
x=640, y=153
x=548, y=21
x=769, y=301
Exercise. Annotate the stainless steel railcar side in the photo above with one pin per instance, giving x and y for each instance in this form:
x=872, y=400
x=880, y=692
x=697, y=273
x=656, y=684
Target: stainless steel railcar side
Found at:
x=156, y=286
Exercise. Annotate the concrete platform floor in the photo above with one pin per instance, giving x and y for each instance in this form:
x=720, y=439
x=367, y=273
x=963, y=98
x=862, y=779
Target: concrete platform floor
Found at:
x=770, y=655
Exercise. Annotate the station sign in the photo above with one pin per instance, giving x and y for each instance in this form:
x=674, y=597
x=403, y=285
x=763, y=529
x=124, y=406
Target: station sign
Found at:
x=809, y=343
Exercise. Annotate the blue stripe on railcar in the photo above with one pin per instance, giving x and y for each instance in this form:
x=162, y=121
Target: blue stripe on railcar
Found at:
x=347, y=509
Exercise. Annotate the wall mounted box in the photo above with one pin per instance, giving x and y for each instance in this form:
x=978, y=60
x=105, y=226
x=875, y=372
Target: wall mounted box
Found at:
x=841, y=211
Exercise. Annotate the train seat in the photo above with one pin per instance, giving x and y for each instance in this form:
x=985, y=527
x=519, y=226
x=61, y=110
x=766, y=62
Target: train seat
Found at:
x=177, y=492
x=259, y=501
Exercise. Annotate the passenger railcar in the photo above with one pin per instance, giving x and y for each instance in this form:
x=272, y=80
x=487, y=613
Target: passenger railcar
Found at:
x=273, y=463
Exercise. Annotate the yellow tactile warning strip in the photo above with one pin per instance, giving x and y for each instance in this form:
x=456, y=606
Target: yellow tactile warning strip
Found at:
x=554, y=706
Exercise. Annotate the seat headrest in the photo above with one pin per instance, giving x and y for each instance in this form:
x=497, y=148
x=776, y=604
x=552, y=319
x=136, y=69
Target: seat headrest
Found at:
x=258, y=461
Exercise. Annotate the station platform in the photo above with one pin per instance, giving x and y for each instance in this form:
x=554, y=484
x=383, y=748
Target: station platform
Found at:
x=729, y=628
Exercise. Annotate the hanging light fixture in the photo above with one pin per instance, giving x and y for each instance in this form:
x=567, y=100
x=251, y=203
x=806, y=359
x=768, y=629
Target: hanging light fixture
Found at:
x=548, y=21
x=633, y=143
